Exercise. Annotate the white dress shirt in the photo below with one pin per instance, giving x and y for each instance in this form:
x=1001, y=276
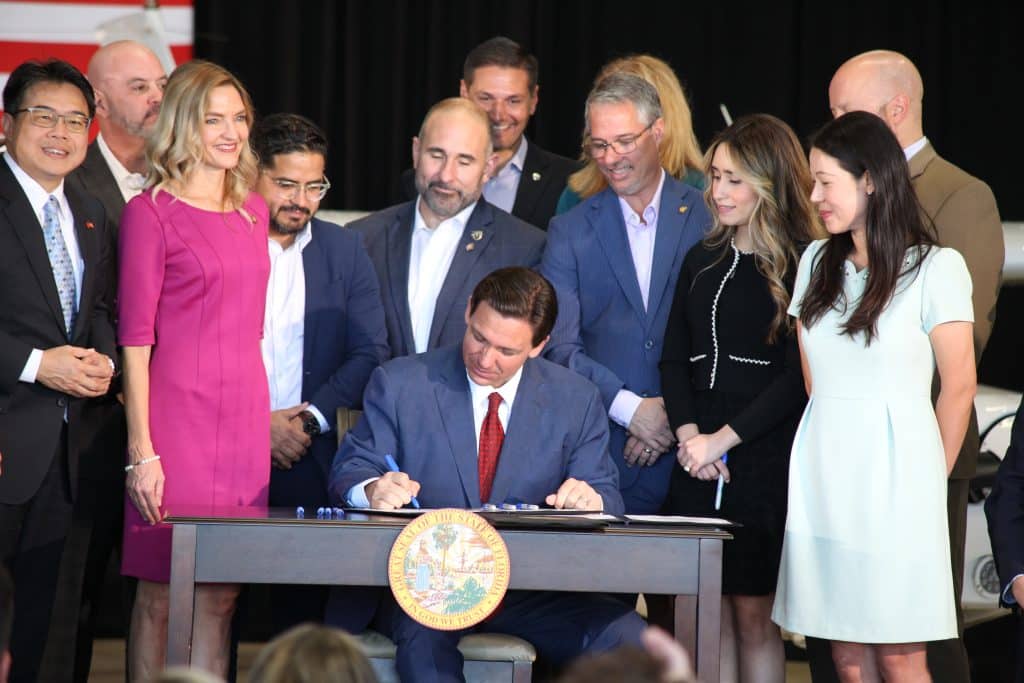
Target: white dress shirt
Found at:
x=910, y=150
x=500, y=191
x=284, y=324
x=641, y=229
x=37, y=199
x=130, y=184
x=479, y=397
x=429, y=260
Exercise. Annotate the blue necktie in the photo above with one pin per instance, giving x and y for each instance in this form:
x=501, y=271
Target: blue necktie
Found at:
x=60, y=261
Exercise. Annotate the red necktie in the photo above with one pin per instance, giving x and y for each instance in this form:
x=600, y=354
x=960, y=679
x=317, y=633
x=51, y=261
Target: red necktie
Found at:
x=491, y=438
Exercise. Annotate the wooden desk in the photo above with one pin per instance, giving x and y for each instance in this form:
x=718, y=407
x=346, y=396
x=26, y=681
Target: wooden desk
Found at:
x=271, y=546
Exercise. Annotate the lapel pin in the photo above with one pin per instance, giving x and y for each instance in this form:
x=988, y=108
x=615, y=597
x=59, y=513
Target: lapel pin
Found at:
x=682, y=209
x=477, y=235
x=469, y=247
x=535, y=176
x=89, y=225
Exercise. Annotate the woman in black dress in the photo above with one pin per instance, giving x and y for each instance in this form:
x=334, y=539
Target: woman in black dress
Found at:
x=731, y=375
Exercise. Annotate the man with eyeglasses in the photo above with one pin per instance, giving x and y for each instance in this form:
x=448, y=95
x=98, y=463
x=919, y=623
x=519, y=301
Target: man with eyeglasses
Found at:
x=431, y=252
x=56, y=343
x=500, y=76
x=128, y=81
x=614, y=260
x=323, y=330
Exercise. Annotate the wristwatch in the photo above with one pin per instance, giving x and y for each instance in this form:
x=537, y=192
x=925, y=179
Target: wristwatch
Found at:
x=310, y=425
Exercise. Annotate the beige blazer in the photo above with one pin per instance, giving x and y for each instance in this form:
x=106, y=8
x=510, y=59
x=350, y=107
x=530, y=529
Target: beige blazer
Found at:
x=966, y=218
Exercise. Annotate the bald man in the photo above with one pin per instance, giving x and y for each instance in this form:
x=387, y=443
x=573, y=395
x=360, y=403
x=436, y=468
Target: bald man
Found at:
x=128, y=80
x=431, y=252
x=965, y=216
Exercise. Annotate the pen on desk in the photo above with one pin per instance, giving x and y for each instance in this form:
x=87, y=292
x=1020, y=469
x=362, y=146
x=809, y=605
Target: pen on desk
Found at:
x=393, y=466
x=721, y=483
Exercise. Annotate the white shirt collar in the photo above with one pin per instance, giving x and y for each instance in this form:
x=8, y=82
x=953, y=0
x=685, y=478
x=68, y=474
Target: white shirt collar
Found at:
x=302, y=239
x=459, y=220
x=480, y=393
x=914, y=148
x=650, y=212
x=129, y=183
x=37, y=196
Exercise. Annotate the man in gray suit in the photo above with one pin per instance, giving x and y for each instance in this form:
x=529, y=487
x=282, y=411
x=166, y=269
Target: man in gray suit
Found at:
x=431, y=252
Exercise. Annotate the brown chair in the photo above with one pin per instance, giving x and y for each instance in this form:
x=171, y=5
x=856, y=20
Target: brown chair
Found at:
x=489, y=657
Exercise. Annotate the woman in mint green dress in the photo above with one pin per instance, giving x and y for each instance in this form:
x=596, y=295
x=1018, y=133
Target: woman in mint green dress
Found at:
x=881, y=307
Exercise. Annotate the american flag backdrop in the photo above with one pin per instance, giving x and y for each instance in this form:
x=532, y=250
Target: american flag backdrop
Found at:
x=73, y=29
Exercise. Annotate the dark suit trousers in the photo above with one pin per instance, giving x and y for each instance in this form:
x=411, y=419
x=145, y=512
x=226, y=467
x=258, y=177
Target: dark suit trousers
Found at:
x=561, y=626
x=32, y=542
x=947, y=659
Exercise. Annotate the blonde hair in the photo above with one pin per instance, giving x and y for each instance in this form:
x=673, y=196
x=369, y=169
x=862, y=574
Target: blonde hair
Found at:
x=175, y=148
x=679, y=150
x=770, y=159
x=312, y=653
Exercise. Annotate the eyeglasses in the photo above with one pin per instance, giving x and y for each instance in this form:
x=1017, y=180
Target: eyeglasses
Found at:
x=622, y=145
x=314, y=191
x=45, y=117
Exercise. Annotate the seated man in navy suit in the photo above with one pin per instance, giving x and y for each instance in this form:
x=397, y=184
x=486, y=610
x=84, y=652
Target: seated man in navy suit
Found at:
x=439, y=412
x=323, y=331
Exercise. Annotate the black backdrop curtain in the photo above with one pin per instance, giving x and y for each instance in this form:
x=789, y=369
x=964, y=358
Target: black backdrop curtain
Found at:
x=367, y=70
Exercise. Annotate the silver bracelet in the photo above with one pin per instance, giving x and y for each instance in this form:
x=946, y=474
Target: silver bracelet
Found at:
x=129, y=468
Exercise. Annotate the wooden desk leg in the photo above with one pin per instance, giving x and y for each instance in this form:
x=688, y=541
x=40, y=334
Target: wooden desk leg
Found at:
x=709, y=610
x=182, y=595
x=685, y=620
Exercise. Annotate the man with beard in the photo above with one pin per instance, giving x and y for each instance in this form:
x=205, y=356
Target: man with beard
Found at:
x=501, y=77
x=129, y=83
x=323, y=332
x=128, y=80
x=430, y=253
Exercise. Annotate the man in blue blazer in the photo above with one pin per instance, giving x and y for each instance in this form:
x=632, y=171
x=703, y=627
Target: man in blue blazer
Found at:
x=431, y=252
x=324, y=328
x=614, y=260
x=429, y=410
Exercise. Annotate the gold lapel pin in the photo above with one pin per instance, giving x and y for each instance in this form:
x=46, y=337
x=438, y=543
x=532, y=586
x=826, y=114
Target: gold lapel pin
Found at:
x=535, y=176
x=477, y=235
x=469, y=247
x=89, y=225
x=682, y=209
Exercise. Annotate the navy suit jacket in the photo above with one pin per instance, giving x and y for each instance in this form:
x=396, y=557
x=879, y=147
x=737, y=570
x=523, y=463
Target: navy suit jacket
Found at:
x=492, y=239
x=1004, y=508
x=344, y=339
x=418, y=409
x=603, y=331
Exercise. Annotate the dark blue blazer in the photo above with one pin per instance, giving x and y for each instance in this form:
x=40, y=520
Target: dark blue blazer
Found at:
x=603, y=331
x=418, y=408
x=344, y=340
x=1004, y=508
x=492, y=239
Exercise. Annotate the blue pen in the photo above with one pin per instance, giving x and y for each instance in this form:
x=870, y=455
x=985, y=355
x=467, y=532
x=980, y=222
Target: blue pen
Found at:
x=393, y=466
x=721, y=483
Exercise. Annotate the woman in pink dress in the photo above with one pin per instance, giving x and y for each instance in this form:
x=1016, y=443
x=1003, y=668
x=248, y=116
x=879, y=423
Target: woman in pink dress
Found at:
x=194, y=268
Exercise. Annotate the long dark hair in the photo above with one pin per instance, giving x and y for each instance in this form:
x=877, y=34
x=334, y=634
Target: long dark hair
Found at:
x=862, y=143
